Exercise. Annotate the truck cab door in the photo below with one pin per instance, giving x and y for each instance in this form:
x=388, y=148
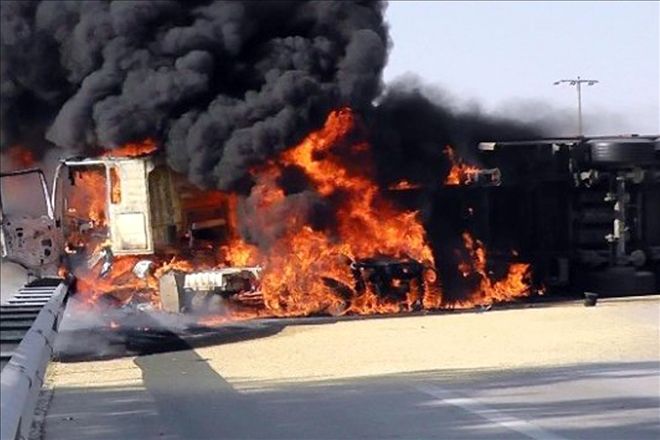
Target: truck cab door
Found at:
x=29, y=234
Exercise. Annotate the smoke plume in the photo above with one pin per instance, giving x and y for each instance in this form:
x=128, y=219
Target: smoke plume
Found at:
x=413, y=123
x=222, y=85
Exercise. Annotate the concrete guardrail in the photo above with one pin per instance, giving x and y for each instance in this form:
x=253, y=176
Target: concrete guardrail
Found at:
x=23, y=376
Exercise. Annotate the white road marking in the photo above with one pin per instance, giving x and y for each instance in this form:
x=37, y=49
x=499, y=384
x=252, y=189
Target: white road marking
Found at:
x=475, y=407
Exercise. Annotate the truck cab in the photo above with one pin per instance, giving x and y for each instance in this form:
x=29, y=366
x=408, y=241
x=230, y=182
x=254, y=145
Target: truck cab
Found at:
x=105, y=209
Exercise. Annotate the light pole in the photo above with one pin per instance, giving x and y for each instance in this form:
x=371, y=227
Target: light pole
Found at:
x=578, y=84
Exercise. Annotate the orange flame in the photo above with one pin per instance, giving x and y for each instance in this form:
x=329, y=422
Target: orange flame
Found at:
x=115, y=187
x=514, y=285
x=20, y=157
x=367, y=225
x=134, y=149
x=459, y=174
x=402, y=185
x=120, y=280
x=87, y=201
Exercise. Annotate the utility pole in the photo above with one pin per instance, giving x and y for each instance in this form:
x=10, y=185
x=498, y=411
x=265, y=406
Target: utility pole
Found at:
x=577, y=82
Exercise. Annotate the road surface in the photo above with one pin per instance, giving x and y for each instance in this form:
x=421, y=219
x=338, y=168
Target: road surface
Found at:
x=559, y=372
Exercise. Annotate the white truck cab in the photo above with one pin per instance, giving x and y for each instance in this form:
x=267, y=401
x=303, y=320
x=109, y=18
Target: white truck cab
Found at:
x=108, y=207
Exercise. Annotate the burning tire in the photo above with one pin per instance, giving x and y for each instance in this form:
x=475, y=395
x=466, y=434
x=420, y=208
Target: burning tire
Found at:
x=391, y=280
x=337, y=309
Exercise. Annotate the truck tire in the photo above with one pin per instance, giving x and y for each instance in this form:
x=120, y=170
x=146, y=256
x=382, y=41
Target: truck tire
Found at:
x=615, y=152
x=620, y=281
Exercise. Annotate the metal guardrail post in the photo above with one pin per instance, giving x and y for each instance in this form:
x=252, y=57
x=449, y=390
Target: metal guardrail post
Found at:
x=23, y=376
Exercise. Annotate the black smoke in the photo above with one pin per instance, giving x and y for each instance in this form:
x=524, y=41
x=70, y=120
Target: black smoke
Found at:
x=222, y=85
x=410, y=128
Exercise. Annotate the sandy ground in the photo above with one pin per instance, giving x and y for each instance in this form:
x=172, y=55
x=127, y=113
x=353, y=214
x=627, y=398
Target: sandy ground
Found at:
x=612, y=331
x=456, y=348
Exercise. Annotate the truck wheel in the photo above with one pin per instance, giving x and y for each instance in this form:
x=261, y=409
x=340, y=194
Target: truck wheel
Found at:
x=621, y=152
x=337, y=309
x=620, y=281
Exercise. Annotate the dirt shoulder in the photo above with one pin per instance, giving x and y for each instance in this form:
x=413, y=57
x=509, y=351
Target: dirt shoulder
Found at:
x=613, y=331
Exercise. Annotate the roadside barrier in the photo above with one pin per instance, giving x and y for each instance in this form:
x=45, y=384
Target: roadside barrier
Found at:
x=25, y=357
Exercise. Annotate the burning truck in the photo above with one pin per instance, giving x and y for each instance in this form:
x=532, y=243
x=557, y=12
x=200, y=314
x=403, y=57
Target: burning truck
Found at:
x=209, y=179
x=582, y=210
x=298, y=221
x=150, y=213
x=118, y=208
x=131, y=229
x=315, y=234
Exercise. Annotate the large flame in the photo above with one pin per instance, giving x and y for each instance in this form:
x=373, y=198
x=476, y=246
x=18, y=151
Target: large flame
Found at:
x=488, y=291
x=87, y=200
x=366, y=225
x=299, y=256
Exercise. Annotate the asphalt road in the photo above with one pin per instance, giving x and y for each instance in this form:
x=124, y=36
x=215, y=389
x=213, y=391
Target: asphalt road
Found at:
x=560, y=372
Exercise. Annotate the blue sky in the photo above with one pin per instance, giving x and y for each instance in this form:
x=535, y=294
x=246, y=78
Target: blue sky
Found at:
x=504, y=56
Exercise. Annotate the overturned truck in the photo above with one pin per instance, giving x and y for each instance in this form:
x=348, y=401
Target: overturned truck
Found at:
x=585, y=211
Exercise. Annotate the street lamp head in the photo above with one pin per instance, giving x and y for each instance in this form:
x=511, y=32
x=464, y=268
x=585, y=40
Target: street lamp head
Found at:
x=578, y=83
